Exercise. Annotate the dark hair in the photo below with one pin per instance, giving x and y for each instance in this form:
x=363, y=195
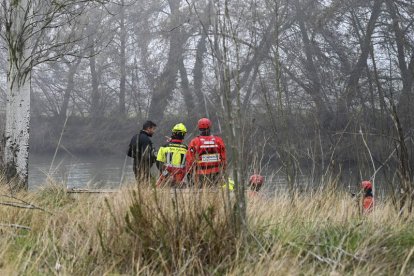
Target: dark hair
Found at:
x=148, y=124
x=368, y=193
x=177, y=135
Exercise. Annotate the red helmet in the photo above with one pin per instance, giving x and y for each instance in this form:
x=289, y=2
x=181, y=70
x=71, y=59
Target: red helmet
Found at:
x=204, y=123
x=256, y=180
x=366, y=185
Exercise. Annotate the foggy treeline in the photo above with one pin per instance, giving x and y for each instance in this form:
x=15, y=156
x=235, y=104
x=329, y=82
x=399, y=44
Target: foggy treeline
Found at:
x=306, y=87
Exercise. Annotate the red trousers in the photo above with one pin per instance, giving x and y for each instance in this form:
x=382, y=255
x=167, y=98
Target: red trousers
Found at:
x=171, y=179
x=368, y=204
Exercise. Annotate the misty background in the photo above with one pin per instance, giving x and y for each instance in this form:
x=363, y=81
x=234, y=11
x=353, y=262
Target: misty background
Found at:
x=321, y=89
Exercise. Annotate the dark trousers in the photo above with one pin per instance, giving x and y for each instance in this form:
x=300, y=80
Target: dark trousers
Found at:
x=142, y=172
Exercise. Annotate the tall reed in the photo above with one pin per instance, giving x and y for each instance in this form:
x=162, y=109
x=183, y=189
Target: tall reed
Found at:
x=161, y=231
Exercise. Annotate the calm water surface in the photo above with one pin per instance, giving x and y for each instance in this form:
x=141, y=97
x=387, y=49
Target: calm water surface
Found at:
x=88, y=171
x=77, y=171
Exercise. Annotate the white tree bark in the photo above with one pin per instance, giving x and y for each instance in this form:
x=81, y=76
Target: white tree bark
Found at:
x=16, y=152
x=17, y=131
x=27, y=26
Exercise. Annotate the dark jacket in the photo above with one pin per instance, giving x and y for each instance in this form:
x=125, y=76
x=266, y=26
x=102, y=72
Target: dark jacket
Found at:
x=141, y=149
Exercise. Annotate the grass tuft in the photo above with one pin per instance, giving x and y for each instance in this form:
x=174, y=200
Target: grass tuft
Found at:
x=152, y=231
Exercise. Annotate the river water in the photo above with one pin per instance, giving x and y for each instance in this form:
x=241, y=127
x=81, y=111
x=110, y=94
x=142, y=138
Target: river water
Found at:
x=90, y=171
x=75, y=171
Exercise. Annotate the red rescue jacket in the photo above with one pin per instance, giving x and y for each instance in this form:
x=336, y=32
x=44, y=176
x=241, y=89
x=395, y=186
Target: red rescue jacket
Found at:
x=206, y=155
x=368, y=204
x=368, y=201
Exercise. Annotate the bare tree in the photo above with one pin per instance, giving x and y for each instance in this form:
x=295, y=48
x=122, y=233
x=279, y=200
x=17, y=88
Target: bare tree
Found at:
x=405, y=56
x=166, y=82
x=32, y=36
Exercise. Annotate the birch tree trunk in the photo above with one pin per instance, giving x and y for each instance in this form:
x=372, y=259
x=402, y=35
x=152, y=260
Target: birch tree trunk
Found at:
x=18, y=95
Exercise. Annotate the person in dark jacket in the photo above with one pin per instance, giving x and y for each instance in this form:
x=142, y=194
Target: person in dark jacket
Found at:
x=142, y=151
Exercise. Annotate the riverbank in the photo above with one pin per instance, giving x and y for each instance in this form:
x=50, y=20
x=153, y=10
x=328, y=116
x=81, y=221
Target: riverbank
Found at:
x=136, y=231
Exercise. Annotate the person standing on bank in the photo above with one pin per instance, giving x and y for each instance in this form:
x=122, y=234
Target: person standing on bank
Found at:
x=142, y=151
x=206, y=157
x=368, y=197
x=171, y=158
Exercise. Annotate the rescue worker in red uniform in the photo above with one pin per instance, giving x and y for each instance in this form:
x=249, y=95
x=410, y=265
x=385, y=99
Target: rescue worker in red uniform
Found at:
x=255, y=183
x=206, y=157
x=171, y=158
x=368, y=198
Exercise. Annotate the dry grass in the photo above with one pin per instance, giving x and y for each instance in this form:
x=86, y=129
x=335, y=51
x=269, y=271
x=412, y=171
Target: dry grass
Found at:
x=146, y=231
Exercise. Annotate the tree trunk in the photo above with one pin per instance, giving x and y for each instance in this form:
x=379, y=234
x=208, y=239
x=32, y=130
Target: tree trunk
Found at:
x=122, y=60
x=17, y=131
x=260, y=52
x=185, y=90
x=95, y=83
x=69, y=88
x=16, y=154
x=316, y=88
x=234, y=124
x=198, y=73
x=167, y=80
x=407, y=71
x=345, y=101
x=249, y=91
x=377, y=82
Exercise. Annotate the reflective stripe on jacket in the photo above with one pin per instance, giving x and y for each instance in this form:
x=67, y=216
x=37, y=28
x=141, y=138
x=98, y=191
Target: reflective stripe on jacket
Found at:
x=173, y=157
x=206, y=155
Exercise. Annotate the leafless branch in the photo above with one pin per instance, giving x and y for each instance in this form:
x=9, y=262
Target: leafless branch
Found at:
x=15, y=226
x=25, y=205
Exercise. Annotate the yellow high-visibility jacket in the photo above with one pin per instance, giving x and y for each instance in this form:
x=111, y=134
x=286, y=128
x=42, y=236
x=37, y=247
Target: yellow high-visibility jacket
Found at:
x=173, y=155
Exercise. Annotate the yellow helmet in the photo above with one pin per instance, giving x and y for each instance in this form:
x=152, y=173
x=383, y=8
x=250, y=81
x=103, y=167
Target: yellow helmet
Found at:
x=180, y=128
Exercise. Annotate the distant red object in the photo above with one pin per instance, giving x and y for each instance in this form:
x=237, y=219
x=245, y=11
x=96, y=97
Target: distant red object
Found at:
x=368, y=199
x=368, y=204
x=366, y=185
x=256, y=181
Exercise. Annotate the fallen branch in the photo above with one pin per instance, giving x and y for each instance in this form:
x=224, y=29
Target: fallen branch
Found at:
x=15, y=226
x=17, y=205
x=27, y=205
x=90, y=191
